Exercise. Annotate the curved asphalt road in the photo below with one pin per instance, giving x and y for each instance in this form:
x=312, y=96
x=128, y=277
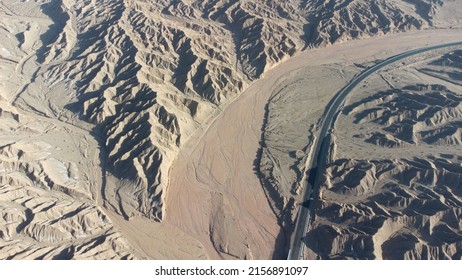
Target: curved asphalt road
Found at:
x=318, y=155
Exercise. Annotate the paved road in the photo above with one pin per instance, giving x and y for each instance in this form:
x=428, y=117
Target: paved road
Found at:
x=318, y=155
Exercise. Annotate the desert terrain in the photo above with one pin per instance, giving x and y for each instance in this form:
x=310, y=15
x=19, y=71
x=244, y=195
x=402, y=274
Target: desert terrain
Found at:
x=391, y=188
x=180, y=129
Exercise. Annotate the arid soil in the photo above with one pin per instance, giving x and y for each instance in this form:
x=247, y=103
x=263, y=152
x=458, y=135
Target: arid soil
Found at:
x=391, y=190
x=138, y=129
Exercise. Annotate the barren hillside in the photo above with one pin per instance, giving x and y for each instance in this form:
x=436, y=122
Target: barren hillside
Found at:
x=148, y=73
x=99, y=97
x=392, y=191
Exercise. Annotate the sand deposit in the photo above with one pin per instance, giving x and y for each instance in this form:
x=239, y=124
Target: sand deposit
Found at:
x=118, y=115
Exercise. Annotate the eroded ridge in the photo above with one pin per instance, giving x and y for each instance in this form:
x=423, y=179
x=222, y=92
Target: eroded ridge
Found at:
x=149, y=73
x=430, y=114
x=98, y=98
x=47, y=202
x=400, y=209
x=392, y=190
